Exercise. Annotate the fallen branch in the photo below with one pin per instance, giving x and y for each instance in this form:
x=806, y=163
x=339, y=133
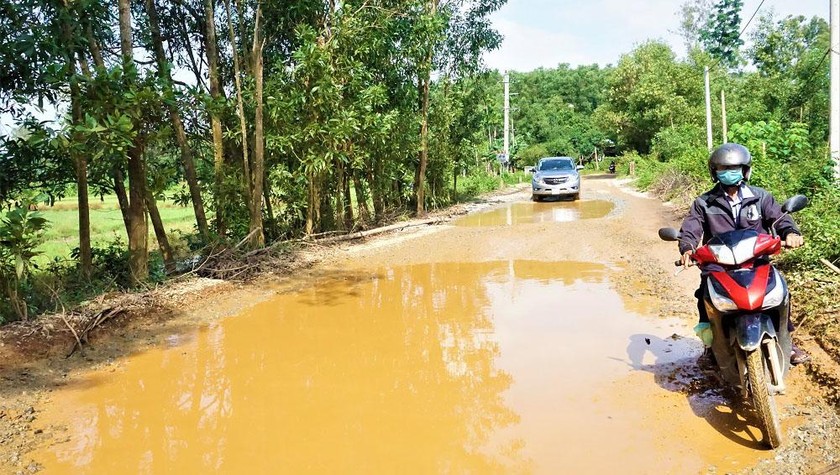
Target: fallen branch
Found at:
x=246, y=238
x=830, y=265
x=92, y=324
x=73, y=331
x=384, y=229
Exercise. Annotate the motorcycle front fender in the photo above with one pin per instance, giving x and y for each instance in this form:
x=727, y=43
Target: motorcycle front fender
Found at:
x=750, y=330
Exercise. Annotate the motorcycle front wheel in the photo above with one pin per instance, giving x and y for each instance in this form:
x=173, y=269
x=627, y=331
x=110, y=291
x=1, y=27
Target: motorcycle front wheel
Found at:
x=762, y=401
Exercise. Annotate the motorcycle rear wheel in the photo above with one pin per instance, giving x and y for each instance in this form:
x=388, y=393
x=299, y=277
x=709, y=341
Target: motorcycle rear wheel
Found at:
x=763, y=402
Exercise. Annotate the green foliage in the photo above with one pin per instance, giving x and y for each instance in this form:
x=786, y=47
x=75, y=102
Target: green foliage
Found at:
x=648, y=91
x=721, y=34
x=20, y=233
x=554, y=111
x=779, y=155
x=818, y=223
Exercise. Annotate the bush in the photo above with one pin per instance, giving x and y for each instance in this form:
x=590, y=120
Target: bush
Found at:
x=818, y=223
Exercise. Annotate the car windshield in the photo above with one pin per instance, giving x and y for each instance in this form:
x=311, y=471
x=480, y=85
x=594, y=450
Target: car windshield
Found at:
x=556, y=165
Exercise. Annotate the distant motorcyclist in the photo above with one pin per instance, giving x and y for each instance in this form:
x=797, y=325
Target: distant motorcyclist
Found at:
x=732, y=204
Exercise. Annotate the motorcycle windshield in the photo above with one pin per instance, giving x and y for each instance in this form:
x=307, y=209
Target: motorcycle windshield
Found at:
x=734, y=247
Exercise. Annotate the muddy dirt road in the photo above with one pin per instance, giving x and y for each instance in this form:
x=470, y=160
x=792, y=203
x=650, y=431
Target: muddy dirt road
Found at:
x=522, y=338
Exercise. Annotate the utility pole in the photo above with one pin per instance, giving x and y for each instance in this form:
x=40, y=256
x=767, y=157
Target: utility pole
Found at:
x=723, y=115
x=709, y=141
x=834, y=93
x=507, y=117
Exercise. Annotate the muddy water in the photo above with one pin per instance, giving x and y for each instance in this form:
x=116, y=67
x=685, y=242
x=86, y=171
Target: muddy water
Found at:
x=509, y=366
x=544, y=212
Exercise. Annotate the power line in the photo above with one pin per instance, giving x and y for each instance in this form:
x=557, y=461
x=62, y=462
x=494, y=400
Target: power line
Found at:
x=813, y=74
x=742, y=30
x=751, y=19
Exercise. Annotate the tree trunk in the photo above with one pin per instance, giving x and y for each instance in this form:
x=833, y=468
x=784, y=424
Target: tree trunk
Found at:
x=125, y=32
x=420, y=175
x=122, y=196
x=312, y=205
x=160, y=233
x=177, y=124
x=375, y=179
x=138, y=232
x=269, y=210
x=257, y=173
x=94, y=47
x=361, y=198
x=79, y=160
x=138, y=255
x=85, y=253
x=240, y=112
x=215, y=119
x=455, y=184
x=345, y=196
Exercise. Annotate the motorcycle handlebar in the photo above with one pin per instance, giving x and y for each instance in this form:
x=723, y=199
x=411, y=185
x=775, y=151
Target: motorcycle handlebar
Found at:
x=678, y=262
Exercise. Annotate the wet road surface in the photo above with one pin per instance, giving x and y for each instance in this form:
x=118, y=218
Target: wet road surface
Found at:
x=522, y=365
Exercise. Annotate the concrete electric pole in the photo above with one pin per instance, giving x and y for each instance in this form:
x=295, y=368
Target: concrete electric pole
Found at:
x=834, y=118
x=723, y=116
x=507, y=118
x=708, y=109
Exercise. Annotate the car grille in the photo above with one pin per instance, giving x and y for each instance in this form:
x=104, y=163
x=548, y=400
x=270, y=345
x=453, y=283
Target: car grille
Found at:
x=555, y=181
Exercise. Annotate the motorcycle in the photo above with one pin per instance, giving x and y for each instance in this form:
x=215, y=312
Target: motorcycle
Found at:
x=748, y=304
x=612, y=167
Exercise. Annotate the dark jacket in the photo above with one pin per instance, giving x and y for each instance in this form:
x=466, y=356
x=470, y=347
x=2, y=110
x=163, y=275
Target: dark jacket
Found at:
x=711, y=214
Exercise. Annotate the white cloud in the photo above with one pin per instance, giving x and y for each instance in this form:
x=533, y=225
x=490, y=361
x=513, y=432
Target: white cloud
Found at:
x=545, y=33
x=526, y=48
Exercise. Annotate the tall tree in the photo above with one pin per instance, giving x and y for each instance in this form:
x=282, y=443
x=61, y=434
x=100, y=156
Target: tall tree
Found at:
x=138, y=252
x=217, y=99
x=177, y=122
x=721, y=34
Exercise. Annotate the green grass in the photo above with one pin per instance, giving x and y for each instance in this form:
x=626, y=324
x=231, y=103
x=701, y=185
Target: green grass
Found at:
x=106, y=225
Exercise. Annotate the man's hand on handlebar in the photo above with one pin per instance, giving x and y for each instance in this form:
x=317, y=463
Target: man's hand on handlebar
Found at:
x=685, y=260
x=793, y=240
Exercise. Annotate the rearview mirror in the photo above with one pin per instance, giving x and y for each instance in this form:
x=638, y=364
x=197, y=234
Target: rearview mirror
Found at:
x=795, y=203
x=669, y=234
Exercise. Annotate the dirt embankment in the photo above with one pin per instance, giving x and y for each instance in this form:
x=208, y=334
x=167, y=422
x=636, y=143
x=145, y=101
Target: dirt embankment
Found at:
x=34, y=359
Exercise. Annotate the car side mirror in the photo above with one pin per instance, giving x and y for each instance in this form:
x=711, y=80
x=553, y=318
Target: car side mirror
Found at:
x=669, y=234
x=579, y=167
x=795, y=203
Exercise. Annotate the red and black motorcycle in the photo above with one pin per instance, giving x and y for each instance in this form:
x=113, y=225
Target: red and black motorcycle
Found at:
x=748, y=304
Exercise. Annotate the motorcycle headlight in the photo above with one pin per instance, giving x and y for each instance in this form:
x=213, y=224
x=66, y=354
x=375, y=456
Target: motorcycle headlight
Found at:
x=775, y=297
x=721, y=302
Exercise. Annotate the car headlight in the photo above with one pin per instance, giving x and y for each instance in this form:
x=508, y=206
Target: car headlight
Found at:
x=722, y=303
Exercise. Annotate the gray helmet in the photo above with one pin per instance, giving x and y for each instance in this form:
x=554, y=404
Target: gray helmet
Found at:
x=730, y=154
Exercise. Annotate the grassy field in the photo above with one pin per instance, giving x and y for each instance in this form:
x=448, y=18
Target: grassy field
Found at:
x=106, y=224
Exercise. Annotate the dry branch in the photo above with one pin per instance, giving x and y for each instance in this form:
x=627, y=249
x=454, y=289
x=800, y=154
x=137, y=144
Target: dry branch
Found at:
x=830, y=265
x=93, y=323
x=384, y=229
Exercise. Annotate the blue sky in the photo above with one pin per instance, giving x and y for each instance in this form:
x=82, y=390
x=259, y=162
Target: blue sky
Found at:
x=545, y=33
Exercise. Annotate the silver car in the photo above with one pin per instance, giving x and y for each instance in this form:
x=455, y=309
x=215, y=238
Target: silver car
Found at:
x=555, y=176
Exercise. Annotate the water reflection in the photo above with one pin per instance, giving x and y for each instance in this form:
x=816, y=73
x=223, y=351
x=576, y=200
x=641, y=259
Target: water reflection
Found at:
x=524, y=213
x=497, y=367
x=392, y=372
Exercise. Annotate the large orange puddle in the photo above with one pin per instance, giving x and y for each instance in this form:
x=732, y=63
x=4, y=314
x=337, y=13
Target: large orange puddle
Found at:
x=514, y=367
x=545, y=212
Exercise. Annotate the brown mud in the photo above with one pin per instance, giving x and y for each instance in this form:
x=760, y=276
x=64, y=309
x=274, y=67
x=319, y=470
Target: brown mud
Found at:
x=526, y=338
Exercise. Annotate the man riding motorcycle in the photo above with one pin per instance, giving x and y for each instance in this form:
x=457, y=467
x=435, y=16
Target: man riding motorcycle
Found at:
x=732, y=204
